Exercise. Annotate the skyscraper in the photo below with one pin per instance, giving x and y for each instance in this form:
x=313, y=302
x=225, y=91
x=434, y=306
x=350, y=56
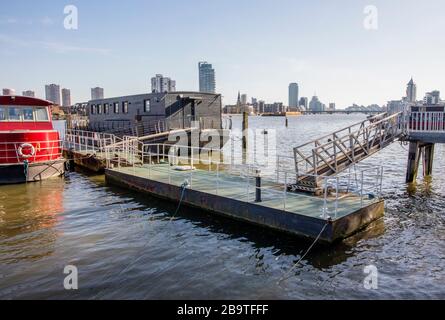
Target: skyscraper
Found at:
x=8, y=92
x=66, y=97
x=161, y=84
x=244, y=99
x=29, y=93
x=207, y=82
x=316, y=104
x=303, y=103
x=411, y=91
x=293, y=96
x=97, y=93
x=52, y=93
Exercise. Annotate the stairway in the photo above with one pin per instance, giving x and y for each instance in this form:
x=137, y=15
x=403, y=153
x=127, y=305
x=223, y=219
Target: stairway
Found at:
x=336, y=152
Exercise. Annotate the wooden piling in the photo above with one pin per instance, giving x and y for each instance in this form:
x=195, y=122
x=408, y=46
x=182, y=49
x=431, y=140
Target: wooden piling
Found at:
x=413, y=161
x=428, y=157
x=245, y=129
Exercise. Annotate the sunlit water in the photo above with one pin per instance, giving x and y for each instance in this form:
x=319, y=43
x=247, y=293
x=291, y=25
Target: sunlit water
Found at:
x=125, y=246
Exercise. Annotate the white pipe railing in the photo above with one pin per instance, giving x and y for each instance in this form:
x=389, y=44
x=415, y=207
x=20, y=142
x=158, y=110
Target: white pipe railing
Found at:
x=424, y=122
x=88, y=141
x=49, y=149
x=136, y=155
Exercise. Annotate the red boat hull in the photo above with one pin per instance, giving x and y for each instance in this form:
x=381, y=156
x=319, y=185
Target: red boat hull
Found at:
x=46, y=144
x=30, y=148
x=20, y=173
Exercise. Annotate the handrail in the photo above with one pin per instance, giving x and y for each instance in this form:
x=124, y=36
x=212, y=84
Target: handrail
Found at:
x=49, y=149
x=425, y=121
x=152, y=156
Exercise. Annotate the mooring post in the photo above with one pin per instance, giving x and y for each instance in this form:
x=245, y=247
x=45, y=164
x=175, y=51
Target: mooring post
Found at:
x=287, y=122
x=258, y=186
x=428, y=157
x=245, y=129
x=413, y=161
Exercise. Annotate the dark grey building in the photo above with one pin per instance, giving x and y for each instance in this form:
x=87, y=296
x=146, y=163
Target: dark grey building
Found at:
x=207, y=82
x=175, y=110
x=293, y=96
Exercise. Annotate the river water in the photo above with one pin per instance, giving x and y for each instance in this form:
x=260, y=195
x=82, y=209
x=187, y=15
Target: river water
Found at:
x=125, y=247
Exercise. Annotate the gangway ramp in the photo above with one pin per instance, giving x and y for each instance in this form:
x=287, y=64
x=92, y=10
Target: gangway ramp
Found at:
x=338, y=151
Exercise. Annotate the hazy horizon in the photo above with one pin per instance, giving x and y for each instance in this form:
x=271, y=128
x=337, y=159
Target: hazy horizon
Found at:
x=257, y=47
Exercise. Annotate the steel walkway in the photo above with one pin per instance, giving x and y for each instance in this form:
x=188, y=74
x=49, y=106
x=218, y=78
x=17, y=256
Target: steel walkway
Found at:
x=338, y=151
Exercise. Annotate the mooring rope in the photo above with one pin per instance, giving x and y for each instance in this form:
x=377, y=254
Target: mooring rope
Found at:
x=184, y=187
x=286, y=275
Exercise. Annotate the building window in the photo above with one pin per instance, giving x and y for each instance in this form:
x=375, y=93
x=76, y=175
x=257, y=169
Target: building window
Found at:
x=106, y=108
x=147, y=105
x=125, y=107
x=116, y=107
x=99, y=109
x=93, y=109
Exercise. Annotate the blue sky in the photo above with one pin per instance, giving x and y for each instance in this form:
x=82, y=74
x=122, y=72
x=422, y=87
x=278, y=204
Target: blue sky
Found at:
x=256, y=46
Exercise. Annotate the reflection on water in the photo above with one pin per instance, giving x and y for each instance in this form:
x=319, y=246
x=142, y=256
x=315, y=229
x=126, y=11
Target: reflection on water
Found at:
x=27, y=219
x=125, y=245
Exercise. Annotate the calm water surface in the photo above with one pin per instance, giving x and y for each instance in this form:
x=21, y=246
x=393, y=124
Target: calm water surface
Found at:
x=125, y=246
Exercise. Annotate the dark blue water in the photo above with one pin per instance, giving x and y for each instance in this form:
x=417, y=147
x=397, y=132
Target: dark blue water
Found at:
x=125, y=245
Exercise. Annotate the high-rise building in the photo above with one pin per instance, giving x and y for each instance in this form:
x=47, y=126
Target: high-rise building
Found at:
x=8, y=92
x=293, y=96
x=411, y=91
x=261, y=106
x=331, y=106
x=29, y=93
x=316, y=105
x=207, y=82
x=244, y=99
x=161, y=84
x=52, y=93
x=66, y=97
x=303, y=103
x=97, y=93
x=432, y=98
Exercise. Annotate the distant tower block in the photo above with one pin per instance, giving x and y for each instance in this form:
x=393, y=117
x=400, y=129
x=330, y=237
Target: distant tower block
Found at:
x=411, y=91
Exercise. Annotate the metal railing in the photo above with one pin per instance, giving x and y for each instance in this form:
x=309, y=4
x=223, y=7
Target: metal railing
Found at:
x=160, y=161
x=425, y=122
x=87, y=141
x=141, y=128
x=334, y=153
x=43, y=151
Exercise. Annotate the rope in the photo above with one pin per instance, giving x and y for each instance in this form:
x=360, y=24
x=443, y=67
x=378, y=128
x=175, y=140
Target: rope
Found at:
x=286, y=275
x=138, y=256
x=183, y=187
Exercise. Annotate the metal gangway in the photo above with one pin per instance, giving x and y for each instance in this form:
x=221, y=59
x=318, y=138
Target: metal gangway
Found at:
x=333, y=153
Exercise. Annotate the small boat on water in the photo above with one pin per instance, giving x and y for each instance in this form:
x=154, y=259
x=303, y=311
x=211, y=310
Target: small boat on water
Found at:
x=30, y=148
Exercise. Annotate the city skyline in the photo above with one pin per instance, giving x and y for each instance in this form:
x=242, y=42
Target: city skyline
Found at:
x=352, y=65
